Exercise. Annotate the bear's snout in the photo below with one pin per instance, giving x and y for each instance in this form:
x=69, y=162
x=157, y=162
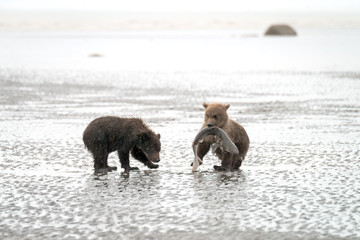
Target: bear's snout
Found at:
x=155, y=160
x=154, y=157
x=212, y=122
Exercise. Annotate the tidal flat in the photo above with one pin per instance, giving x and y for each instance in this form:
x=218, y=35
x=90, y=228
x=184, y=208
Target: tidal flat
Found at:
x=300, y=179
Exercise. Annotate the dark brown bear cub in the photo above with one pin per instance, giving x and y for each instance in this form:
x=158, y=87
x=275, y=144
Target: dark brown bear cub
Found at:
x=216, y=115
x=124, y=135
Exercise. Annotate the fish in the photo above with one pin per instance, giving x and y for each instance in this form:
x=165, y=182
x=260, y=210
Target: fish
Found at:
x=222, y=140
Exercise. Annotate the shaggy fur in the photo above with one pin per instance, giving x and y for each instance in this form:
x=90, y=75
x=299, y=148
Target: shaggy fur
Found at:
x=124, y=135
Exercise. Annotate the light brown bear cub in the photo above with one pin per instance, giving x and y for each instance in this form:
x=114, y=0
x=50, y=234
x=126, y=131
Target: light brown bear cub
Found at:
x=216, y=115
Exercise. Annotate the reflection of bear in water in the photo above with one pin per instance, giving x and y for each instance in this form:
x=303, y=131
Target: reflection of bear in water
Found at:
x=216, y=115
x=124, y=135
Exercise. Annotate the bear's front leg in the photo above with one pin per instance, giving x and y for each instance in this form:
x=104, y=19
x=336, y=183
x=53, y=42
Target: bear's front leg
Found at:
x=236, y=162
x=124, y=161
x=152, y=165
x=220, y=168
x=225, y=162
x=202, y=149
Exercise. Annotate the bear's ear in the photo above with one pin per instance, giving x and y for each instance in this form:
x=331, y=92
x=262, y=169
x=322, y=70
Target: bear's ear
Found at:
x=158, y=136
x=205, y=105
x=227, y=106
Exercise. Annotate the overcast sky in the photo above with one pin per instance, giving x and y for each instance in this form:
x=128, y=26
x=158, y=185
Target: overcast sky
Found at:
x=184, y=5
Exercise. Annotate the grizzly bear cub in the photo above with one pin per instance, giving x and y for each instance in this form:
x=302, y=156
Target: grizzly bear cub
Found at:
x=216, y=115
x=124, y=135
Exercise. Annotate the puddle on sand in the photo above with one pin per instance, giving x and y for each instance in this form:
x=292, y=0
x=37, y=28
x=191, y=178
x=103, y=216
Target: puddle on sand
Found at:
x=299, y=180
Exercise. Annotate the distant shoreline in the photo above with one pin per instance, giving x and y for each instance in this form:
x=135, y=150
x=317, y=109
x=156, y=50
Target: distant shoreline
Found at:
x=12, y=20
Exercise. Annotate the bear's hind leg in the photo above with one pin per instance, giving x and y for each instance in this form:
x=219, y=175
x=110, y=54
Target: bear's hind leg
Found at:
x=110, y=168
x=100, y=160
x=124, y=161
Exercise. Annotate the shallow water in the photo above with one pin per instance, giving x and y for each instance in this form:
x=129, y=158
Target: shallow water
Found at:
x=300, y=179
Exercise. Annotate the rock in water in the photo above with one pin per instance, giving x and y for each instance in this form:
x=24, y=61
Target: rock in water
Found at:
x=280, y=30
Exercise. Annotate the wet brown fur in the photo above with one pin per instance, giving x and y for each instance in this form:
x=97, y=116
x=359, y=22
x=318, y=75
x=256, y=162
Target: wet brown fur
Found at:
x=216, y=115
x=124, y=135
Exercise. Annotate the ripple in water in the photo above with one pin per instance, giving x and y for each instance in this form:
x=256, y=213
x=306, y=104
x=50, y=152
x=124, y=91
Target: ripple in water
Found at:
x=299, y=180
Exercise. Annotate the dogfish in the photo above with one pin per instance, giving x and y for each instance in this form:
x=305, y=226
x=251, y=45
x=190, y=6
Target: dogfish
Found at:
x=222, y=140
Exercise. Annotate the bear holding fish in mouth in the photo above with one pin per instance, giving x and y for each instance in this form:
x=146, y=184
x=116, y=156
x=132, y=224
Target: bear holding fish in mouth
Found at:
x=229, y=133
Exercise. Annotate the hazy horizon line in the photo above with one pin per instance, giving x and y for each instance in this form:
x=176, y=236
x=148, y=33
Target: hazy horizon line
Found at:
x=119, y=20
x=187, y=11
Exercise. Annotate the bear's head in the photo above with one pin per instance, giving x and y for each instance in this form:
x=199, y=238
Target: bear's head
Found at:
x=149, y=144
x=215, y=114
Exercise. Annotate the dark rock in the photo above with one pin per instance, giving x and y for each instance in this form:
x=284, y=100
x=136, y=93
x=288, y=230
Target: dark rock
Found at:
x=95, y=55
x=280, y=30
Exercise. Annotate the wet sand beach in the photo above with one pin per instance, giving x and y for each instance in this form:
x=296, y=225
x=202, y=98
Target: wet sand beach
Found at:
x=300, y=107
